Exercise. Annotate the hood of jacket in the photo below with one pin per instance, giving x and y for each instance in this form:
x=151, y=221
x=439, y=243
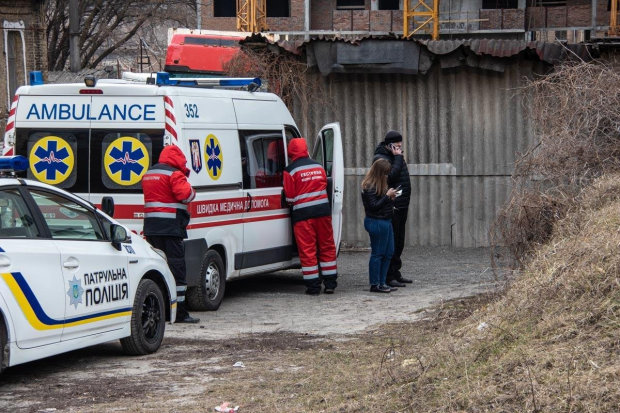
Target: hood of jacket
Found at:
x=383, y=151
x=297, y=148
x=173, y=155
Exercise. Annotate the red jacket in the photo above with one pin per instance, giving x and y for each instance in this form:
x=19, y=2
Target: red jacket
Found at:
x=167, y=194
x=305, y=184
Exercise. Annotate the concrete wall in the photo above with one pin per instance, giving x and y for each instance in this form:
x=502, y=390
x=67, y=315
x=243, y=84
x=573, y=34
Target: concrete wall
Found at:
x=463, y=131
x=29, y=15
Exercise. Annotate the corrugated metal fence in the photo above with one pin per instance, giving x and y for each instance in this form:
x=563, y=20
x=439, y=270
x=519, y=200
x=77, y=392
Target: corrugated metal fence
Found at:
x=463, y=130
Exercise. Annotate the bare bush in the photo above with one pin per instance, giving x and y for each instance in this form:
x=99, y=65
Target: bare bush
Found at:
x=286, y=75
x=575, y=111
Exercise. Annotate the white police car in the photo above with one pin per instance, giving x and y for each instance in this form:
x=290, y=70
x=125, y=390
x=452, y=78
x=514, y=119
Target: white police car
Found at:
x=72, y=277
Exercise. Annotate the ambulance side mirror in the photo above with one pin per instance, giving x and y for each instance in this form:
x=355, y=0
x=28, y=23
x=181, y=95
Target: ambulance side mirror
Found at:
x=119, y=236
x=107, y=205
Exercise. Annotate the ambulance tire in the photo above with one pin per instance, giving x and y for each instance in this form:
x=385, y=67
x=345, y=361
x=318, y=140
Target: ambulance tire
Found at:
x=148, y=320
x=209, y=294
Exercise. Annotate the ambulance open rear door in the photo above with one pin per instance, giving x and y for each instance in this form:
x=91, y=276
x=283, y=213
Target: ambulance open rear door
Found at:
x=328, y=152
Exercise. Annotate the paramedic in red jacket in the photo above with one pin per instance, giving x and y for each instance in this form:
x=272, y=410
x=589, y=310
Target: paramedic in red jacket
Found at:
x=305, y=189
x=167, y=194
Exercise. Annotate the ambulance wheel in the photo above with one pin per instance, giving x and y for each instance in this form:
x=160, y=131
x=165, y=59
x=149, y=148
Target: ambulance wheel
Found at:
x=209, y=294
x=148, y=320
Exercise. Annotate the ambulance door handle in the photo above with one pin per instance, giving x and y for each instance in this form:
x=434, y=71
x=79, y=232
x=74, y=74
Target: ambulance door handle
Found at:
x=71, y=263
x=249, y=206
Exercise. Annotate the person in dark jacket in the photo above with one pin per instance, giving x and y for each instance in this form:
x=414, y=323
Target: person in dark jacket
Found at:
x=391, y=149
x=167, y=194
x=305, y=190
x=378, y=202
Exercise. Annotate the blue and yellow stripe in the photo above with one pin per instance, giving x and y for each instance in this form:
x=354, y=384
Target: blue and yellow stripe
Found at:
x=37, y=317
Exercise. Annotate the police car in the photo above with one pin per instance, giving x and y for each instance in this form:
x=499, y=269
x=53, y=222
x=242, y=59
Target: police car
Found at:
x=72, y=277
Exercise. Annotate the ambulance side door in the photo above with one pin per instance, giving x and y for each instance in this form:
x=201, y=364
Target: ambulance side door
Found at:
x=31, y=280
x=93, y=270
x=266, y=238
x=329, y=153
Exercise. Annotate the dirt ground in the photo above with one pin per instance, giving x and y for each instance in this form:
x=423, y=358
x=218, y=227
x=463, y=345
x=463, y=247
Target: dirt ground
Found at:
x=260, y=320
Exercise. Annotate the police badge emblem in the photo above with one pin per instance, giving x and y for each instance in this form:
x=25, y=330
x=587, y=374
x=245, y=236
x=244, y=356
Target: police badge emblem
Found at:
x=194, y=145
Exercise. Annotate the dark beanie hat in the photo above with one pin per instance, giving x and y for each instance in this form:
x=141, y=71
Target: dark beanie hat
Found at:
x=393, y=136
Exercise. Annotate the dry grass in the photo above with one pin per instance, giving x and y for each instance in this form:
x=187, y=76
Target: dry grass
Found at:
x=575, y=111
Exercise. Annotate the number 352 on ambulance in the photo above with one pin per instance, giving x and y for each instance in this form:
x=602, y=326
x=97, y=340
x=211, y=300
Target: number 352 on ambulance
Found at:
x=98, y=139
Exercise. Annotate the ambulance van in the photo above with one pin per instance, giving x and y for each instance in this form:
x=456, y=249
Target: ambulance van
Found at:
x=98, y=139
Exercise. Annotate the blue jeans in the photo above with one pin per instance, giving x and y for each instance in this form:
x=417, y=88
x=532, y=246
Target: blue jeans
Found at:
x=382, y=248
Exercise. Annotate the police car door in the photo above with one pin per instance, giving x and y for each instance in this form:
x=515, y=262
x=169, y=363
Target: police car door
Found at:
x=94, y=271
x=31, y=279
x=328, y=152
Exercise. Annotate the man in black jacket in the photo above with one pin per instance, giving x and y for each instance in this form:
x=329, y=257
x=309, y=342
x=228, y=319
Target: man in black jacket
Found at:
x=392, y=149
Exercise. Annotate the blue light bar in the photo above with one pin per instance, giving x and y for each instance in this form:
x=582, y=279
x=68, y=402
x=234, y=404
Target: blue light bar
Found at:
x=246, y=81
x=164, y=79
x=35, y=77
x=16, y=163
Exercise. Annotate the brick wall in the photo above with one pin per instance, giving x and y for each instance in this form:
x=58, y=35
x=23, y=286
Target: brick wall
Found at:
x=361, y=20
x=556, y=16
x=31, y=14
x=513, y=19
x=493, y=17
x=342, y=19
x=321, y=14
x=579, y=15
x=381, y=20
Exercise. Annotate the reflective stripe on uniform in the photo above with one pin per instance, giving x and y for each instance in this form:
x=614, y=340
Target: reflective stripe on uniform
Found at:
x=165, y=205
x=311, y=277
x=310, y=269
x=160, y=215
x=310, y=203
x=329, y=272
x=303, y=168
x=160, y=172
x=328, y=264
x=190, y=197
x=308, y=195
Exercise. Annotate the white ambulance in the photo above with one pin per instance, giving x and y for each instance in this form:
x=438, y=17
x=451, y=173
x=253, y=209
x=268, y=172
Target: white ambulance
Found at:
x=97, y=139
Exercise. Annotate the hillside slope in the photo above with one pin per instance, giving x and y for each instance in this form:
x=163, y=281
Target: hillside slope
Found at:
x=552, y=342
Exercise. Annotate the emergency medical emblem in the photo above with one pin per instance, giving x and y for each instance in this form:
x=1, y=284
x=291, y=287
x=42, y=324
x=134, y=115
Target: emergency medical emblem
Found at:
x=51, y=160
x=126, y=160
x=75, y=292
x=213, y=157
x=194, y=148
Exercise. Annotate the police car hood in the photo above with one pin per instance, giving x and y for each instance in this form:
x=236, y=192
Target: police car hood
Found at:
x=173, y=156
x=297, y=148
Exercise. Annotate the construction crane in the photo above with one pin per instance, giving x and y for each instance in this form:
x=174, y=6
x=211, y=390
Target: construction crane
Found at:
x=614, y=29
x=251, y=15
x=422, y=15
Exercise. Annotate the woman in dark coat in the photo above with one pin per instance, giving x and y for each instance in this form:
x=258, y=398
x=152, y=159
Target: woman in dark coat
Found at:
x=378, y=202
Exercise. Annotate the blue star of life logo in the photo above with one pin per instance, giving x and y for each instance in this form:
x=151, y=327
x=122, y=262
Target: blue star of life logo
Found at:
x=75, y=292
x=214, y=161
x=126, y=161
x=51, y=160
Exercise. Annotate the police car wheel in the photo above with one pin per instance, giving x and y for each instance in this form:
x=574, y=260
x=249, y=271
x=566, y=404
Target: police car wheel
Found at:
x=3, y=340
x=148, y=320
x=209, y=294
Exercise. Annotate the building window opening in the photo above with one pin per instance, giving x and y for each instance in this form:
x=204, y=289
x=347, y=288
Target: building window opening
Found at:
x=389, y=4
x=278, y=8
x=350, y=4
x=499, y=4
x=224, y=8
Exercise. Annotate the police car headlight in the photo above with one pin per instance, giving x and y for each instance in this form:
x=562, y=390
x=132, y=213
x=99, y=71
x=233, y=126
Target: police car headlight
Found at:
x=160, y=253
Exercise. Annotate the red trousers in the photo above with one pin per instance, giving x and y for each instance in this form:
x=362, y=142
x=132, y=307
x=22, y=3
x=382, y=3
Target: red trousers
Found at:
x=311, y=235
